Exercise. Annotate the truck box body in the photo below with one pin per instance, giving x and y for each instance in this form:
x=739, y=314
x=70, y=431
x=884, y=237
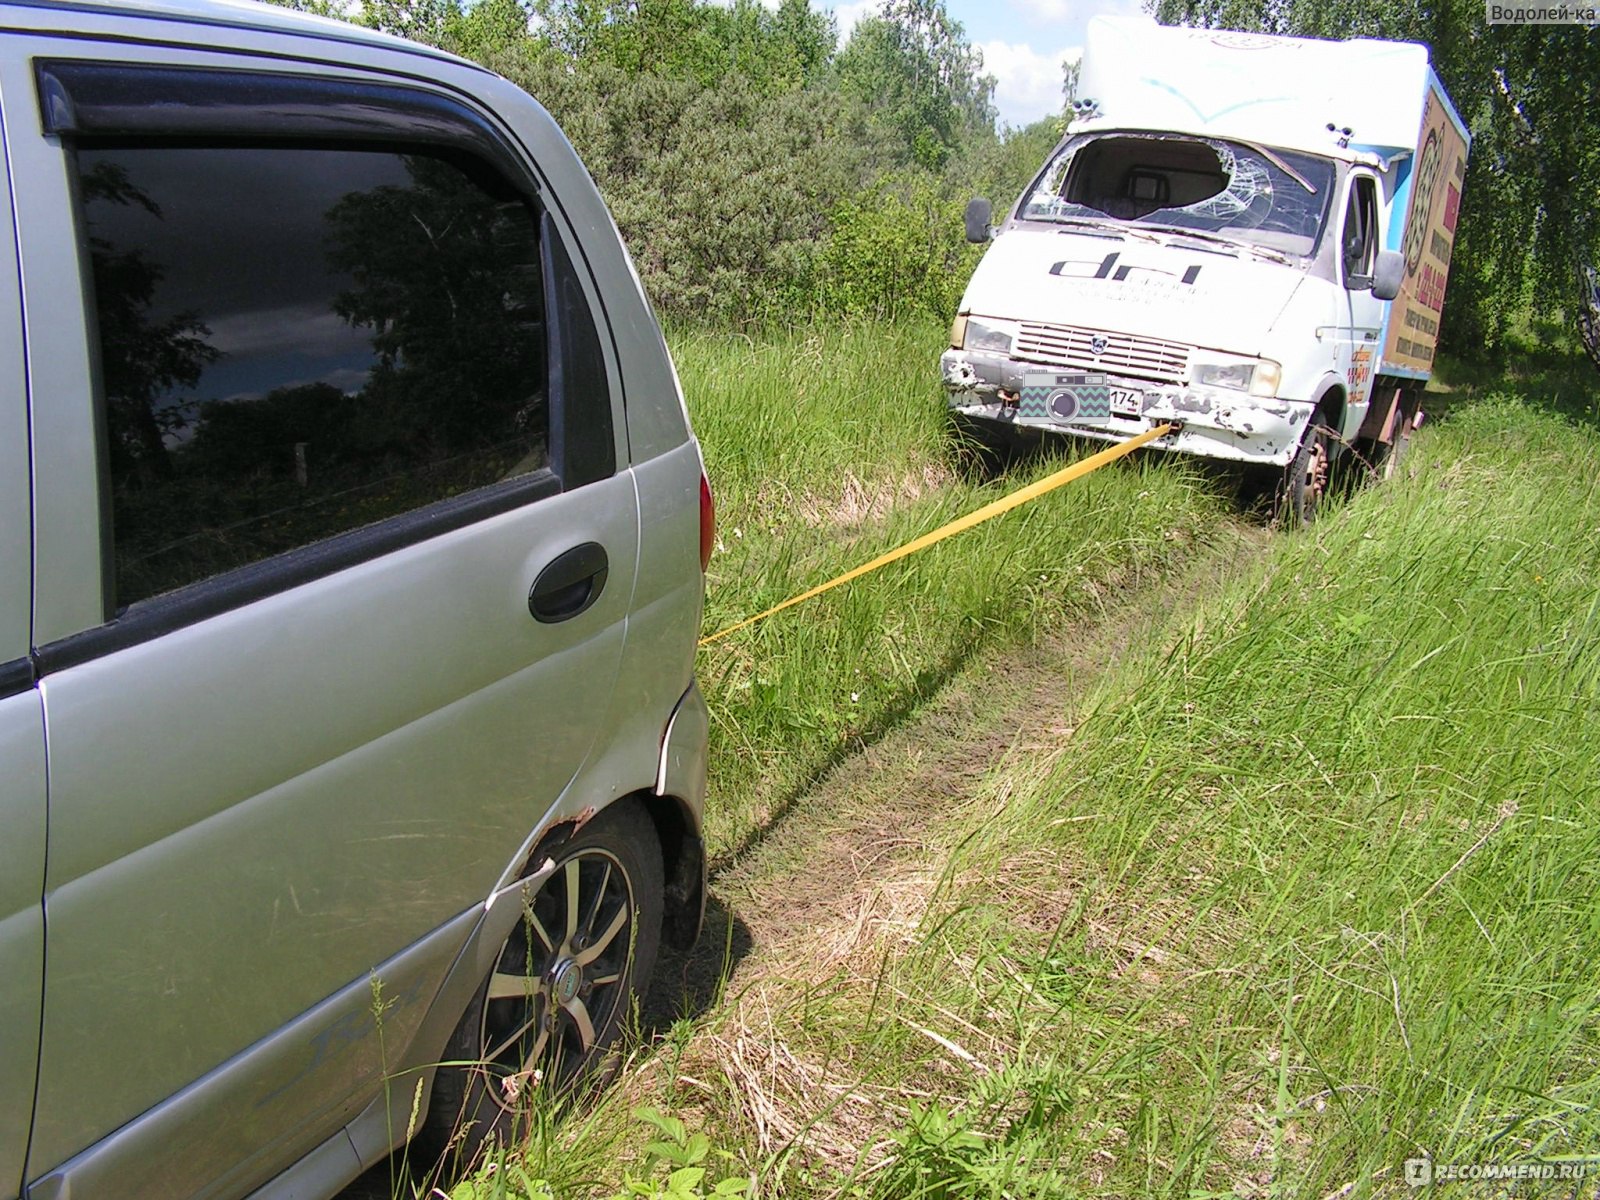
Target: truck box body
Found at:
x=1203, y=247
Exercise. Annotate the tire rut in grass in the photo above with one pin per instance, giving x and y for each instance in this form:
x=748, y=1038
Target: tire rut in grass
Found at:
x=862, y=849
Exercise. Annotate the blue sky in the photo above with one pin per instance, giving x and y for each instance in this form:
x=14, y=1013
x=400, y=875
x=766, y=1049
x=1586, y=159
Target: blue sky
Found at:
x=1023, y=43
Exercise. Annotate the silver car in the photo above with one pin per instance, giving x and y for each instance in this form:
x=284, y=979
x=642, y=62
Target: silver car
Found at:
x=351, y=547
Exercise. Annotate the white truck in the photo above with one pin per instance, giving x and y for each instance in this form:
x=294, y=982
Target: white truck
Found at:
x=1246, y=236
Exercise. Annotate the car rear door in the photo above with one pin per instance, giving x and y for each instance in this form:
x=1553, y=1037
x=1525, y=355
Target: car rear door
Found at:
x=300, y=713
x=22, y=796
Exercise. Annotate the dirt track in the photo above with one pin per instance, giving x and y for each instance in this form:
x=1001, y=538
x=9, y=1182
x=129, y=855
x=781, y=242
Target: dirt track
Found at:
x=850, y=860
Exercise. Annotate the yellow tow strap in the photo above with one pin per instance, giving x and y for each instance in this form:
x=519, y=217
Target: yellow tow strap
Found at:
x=961, y=524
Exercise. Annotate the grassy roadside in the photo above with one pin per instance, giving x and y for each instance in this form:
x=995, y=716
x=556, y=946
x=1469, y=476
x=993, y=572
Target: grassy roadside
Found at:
x=1302, y=889
x=824, y=451
x=1305, y=892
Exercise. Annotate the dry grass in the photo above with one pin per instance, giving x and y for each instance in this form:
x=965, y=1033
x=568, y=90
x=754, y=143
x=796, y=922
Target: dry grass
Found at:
x=857, y=501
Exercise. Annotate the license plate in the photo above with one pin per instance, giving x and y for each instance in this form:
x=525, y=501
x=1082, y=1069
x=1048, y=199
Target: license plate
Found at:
x=1125, y=402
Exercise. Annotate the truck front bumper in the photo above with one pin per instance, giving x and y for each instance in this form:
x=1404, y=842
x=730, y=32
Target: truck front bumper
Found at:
x=1216, y=423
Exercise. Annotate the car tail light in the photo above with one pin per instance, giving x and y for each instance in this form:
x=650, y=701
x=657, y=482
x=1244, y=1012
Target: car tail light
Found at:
x=708, y=523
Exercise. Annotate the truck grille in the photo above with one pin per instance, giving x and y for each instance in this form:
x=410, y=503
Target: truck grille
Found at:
x=1122, y=354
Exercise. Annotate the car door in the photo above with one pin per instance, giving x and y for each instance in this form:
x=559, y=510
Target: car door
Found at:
x=340, y=620
x=22, y=796
x=1362, y=314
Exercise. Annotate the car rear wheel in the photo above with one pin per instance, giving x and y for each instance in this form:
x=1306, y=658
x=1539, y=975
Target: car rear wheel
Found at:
x=546, y=1020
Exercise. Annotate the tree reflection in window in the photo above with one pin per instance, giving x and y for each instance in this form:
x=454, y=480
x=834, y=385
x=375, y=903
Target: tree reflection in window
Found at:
x=300, y=342
x=141, y=358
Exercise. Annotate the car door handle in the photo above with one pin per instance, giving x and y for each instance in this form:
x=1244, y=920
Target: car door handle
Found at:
x=569, y=584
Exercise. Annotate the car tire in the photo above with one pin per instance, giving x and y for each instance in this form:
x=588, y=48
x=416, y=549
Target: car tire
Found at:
x=546, y=1021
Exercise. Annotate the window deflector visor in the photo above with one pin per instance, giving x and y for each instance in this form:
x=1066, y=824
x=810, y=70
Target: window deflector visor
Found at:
x=120, y=99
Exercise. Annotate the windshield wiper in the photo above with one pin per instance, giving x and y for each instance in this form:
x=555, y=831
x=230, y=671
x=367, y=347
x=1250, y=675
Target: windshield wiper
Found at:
x=1109, y=224
x=1201, y=235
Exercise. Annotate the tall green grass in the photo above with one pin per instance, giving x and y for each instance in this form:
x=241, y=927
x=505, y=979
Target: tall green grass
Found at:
x=825, y=450
x=1303, y=889
x=1313, y=889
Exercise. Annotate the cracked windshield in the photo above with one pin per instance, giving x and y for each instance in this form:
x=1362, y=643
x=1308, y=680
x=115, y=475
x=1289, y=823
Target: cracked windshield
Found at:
x=1273, y=199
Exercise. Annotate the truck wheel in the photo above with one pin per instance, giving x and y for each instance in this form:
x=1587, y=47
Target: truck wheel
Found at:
x=1303, y=487
x=546, y=1019
x=1395, y=452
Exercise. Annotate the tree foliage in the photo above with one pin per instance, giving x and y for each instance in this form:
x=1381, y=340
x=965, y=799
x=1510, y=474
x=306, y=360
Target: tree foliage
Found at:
x=911, y=72
x=448, y=285
x=141, y=356
x=759, y=170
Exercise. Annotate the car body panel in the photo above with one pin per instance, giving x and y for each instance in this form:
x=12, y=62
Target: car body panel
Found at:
x=22, y=817
x=261, y=815
x=258, y=1093
x=22, y=783
x=328, y=829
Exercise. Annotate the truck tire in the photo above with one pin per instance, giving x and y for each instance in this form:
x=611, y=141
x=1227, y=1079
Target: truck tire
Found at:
x=1304, y=486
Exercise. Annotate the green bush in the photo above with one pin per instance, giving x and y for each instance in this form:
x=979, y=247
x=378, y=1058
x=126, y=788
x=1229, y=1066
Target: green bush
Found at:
x=896, y=250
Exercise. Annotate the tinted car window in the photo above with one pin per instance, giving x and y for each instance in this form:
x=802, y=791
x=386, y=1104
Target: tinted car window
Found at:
x=297, y=341
x=588, y=450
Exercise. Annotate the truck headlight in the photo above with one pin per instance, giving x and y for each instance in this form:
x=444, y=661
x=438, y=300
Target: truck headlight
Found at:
x=994, y=337
x=1258, y=376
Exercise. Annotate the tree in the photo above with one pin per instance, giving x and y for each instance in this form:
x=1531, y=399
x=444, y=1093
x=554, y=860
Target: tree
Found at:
x=1071, y=74
x=448, y=281
x=488, y=29
x=337, y=9
x=141, y=359
x=918, y=80
x=688, y=39
x=426, y=21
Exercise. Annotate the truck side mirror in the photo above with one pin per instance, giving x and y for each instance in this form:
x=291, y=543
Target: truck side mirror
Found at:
x=1388, y=273
x=977, y=218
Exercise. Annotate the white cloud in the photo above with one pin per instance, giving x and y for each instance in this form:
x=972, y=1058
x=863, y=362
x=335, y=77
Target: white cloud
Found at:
x=1027, y=83
x=848, y=14
x=1045, y=12
x=1074, y=13
x=305, y=328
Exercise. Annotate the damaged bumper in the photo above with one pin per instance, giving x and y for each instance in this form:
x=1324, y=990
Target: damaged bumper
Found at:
x=1216, y=423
